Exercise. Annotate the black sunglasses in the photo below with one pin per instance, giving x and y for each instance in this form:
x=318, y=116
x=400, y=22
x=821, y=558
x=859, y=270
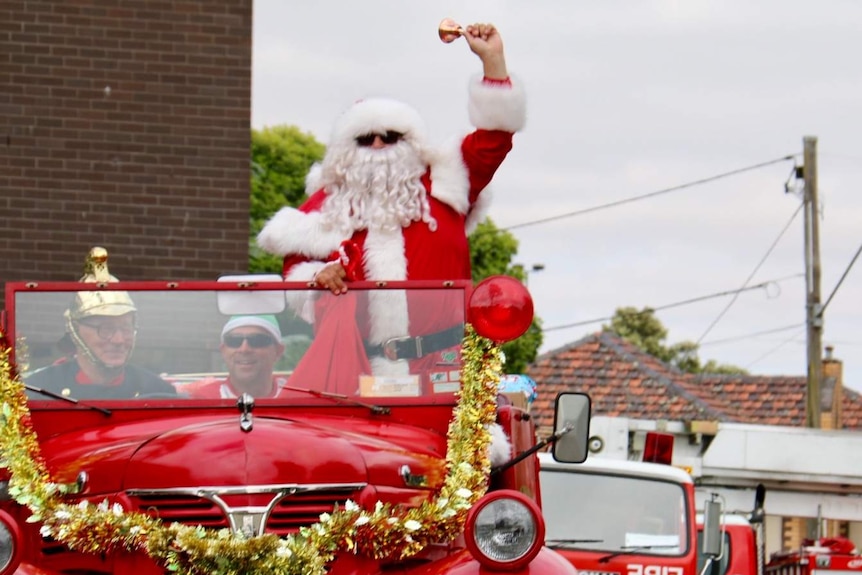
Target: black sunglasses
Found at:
x=255, y=340
x=388, y=138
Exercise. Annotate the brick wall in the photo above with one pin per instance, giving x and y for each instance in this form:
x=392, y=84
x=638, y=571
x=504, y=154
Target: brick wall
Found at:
x=125, y=124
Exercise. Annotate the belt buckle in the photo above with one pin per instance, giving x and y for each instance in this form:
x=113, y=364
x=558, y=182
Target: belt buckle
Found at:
x=390, y=351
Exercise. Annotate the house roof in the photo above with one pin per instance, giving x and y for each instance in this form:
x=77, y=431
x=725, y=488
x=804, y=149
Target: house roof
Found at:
x=624, y=381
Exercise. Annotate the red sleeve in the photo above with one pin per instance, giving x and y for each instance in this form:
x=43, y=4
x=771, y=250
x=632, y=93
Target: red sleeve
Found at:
x=483, y=152
x=313, y=203
x=290, y=261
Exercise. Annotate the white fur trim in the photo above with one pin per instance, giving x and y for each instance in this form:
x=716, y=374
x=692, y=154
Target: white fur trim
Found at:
x=500, y=449
x=384, y=257
x=378, y=115
x=497, y=107
x=450, y=181
x=304, y=271
x=388, y=311
x=290, y=231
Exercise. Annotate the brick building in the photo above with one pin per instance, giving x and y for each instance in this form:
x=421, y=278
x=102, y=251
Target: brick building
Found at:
x=125, y=124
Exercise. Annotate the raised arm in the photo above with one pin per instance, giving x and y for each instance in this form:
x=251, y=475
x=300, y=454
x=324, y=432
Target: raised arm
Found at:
x=485, y=41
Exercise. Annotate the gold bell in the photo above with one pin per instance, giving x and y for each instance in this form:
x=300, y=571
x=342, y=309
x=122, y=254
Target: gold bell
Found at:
x=449, y=30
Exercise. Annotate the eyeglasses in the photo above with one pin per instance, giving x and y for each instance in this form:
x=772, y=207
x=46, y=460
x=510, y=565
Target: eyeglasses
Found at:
x=255, y=340
x=389, y=138
x=106, y=331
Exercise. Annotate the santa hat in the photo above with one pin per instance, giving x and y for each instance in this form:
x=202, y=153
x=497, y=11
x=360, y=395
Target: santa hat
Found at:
x=378, y=116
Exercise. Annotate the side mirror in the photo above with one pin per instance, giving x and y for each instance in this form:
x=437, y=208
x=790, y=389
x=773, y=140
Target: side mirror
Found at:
x=712, y=529
x=571, y=427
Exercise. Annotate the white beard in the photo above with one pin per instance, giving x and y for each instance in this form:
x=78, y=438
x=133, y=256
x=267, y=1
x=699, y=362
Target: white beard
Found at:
x=375, y=189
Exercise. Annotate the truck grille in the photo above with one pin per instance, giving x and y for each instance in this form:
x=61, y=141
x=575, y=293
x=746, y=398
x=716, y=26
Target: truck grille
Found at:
x=300, y=507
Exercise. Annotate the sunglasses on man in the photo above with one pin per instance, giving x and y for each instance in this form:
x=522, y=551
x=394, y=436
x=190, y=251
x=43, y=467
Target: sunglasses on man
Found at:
x=389, y=138
x=255, y=340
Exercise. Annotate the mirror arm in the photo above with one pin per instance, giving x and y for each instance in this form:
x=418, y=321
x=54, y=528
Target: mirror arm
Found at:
x=525, y=454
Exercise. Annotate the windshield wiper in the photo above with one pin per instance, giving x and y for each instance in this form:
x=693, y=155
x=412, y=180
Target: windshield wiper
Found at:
x=557, y=543
x=341, y=398
x=630, y=550
x=53, y=395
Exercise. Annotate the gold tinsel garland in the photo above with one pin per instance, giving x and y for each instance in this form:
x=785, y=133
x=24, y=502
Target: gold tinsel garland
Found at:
x=381, y=533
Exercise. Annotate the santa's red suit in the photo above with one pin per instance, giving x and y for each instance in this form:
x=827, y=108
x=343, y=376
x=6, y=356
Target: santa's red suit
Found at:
x=454, y=182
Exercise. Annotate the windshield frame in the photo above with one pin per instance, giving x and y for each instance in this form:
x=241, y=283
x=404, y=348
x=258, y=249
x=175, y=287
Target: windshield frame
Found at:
x=14, y=289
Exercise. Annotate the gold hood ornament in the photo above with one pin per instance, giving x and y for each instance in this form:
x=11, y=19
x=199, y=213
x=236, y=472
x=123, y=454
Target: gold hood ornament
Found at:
x=90, y=303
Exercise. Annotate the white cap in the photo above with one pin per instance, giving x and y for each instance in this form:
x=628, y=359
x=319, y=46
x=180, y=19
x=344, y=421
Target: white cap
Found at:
x=266, y=322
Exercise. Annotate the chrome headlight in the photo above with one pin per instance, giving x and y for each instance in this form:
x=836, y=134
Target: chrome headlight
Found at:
x=505, y=530
x=9, y=539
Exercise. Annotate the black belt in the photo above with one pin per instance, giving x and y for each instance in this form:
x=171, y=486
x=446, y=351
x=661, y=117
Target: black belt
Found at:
x=416, y=347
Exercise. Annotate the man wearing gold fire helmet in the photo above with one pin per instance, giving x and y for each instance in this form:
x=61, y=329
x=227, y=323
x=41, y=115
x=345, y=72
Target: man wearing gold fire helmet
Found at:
x=102, y=326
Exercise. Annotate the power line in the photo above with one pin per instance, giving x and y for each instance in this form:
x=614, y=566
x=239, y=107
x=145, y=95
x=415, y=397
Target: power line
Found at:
x=776, y=348
x=751, y=335
x=675, y=304
x=838, y=285
x=751, y=275
x=651, y=194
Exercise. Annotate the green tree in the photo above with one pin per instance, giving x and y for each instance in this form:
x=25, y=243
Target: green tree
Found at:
x=642, y=329
x=280, y=159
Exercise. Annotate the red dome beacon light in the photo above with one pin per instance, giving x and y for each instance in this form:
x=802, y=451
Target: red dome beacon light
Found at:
x=658, y=448
x=500, y=309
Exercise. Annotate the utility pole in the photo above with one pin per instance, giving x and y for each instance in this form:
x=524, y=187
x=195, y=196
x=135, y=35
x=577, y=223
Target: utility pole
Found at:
x=813, y=308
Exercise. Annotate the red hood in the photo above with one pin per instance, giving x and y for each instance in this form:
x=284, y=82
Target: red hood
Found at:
x=212, y=451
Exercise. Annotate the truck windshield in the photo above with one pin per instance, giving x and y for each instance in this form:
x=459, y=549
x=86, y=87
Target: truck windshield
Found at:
x=217, y=343
x=614, y=514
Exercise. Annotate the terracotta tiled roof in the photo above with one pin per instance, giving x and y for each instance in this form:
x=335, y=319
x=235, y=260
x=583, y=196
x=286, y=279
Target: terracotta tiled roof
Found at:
x=624, y=381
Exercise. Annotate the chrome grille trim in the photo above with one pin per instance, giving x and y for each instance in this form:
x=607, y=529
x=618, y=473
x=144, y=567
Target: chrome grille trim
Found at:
x=206, y=506
x=291, y=488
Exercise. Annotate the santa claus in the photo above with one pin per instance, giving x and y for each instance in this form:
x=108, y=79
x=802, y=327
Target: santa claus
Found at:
x=386, y=205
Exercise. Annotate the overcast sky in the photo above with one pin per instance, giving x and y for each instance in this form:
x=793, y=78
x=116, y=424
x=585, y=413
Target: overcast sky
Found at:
x=626, y=99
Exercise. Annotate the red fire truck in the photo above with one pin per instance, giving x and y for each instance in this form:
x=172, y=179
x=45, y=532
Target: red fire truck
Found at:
x=372, y=458
x=741, y=549
x=826, y=556
x=617, y=517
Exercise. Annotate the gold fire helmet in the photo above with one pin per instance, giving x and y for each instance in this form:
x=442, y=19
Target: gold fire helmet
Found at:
x=106, y=302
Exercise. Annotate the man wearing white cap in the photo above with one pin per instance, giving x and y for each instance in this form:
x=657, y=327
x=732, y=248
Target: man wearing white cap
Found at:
x=250, y=346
